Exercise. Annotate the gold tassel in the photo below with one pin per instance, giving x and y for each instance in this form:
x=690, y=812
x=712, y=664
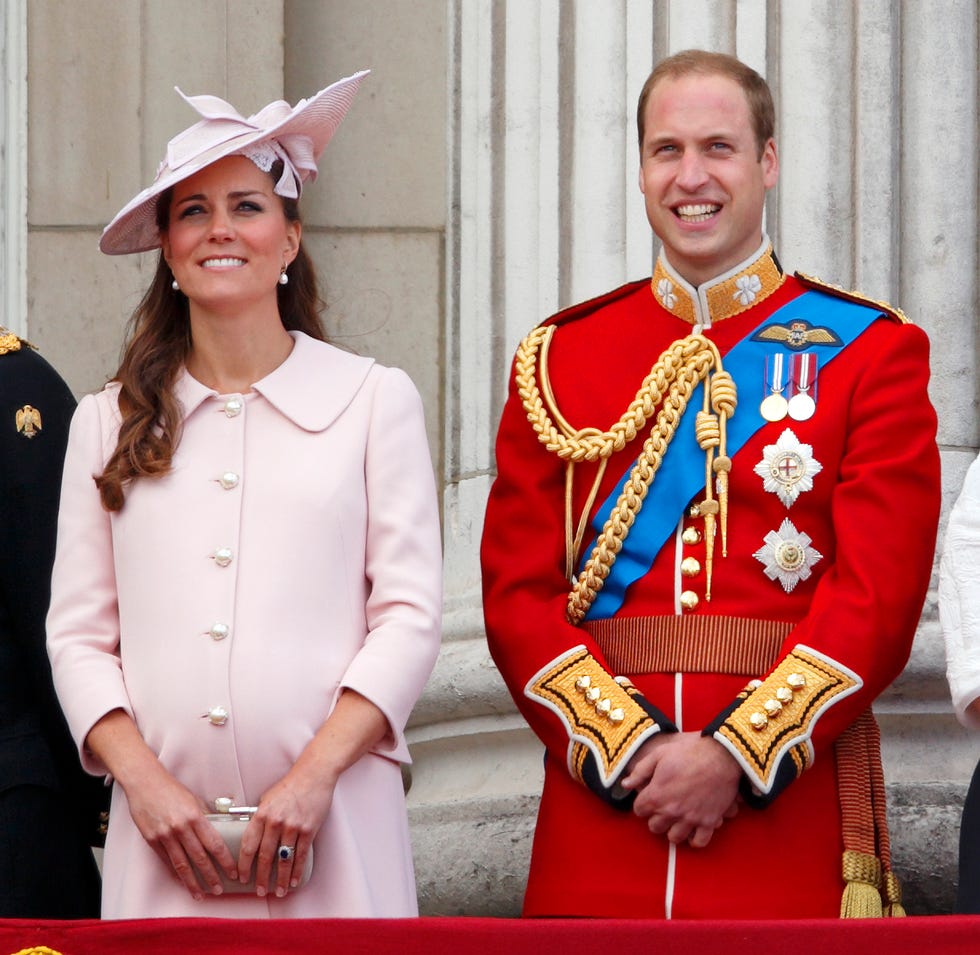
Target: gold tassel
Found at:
x=708, y=509
x=722, y=465
x=862, y=886
x=893, y=894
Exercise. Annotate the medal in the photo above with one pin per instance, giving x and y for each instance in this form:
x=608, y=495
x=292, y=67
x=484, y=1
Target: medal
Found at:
x=787, y=468
x=774, y=405
x=787, y=556
x=804, y=375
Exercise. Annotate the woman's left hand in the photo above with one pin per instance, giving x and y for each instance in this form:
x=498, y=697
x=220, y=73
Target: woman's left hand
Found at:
x=289, y=816
x=291, y=812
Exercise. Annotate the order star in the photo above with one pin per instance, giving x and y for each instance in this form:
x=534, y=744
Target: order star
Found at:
x=787, y=555
x=787, y=467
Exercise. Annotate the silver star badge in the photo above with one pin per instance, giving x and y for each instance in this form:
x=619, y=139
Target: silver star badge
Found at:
x=787, y=467
x=787, y=555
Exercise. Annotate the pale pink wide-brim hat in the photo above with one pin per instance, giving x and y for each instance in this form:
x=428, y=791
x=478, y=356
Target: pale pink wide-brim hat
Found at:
x=295, y=135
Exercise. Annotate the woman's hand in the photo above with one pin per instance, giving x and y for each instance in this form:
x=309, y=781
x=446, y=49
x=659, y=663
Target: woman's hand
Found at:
x=171, y=820
x=290, y=814
x=168, y=815
x=292, y=811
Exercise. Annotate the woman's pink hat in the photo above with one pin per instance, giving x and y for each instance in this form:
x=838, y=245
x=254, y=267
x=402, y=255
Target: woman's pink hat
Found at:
x=296, y=135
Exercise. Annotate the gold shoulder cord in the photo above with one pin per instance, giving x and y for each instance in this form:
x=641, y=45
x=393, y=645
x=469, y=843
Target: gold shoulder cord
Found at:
x=666, y=390
x=9, y=342
x=812, y=281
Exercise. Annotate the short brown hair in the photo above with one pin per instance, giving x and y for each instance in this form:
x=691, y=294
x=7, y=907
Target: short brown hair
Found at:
x=705, y=63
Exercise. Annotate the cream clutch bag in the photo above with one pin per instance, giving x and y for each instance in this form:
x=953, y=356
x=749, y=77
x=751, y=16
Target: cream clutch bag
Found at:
x=231, y=828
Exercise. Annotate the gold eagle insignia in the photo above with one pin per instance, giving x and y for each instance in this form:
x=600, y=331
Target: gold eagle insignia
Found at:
x=28, y=420
x=798, y=334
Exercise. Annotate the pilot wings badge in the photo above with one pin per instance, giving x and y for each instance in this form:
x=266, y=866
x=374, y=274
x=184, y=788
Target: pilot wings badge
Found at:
x=28, y=420
x=798, y=334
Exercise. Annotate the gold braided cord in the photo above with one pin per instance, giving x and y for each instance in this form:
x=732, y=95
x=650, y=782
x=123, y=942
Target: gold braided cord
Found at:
x=543, y=412
x=590, y=444
x=573, y=540
x=666, y=390
x=695, y=367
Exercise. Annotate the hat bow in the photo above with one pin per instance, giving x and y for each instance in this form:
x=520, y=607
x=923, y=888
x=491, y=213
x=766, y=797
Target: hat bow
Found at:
x=221, y=124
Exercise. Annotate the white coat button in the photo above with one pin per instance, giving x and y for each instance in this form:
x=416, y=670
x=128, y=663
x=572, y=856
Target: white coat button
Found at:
x=217, y=716
x=223, y=556
x=219, y=631
x=228, y=480
x=233, y=407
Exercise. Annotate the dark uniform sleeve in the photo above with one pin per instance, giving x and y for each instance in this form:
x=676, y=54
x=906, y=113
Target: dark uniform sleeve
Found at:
x=35, y=747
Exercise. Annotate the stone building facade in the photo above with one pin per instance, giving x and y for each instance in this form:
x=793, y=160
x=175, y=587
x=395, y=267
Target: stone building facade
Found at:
x=486, y=177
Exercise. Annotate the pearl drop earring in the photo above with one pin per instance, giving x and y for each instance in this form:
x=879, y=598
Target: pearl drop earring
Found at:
x=175, y=286
x=283, y=277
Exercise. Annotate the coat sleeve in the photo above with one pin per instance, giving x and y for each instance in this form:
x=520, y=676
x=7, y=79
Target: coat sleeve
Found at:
x=588, y=717
x=83, y=621
x=959, y=598
x=857, y=635
x=403, y=560
x=29, y=484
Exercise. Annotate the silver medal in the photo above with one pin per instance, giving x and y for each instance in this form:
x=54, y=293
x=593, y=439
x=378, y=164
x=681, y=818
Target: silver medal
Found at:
x=802, y=405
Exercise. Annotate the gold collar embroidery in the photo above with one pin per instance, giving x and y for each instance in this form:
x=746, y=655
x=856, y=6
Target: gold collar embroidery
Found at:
x=730, y=294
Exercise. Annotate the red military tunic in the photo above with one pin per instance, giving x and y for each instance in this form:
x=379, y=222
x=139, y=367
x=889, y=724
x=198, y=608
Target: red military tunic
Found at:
x=863, y=522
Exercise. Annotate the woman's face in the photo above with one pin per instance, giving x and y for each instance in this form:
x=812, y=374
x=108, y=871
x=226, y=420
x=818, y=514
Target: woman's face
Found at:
x=228, y=238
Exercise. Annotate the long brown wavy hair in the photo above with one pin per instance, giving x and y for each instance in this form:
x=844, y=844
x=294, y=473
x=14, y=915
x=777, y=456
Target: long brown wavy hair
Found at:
x=158, y=341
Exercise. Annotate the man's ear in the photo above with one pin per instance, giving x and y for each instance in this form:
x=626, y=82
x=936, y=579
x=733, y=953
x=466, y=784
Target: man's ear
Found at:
x=770, y=164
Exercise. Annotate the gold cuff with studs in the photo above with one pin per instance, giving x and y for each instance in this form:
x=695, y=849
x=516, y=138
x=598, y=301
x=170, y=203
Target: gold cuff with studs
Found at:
x=598, y=710
x=776, y=716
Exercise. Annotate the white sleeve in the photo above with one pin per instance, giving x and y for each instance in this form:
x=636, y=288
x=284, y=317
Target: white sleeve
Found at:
x=83, y=619
x=403, y=559
x=959, y=597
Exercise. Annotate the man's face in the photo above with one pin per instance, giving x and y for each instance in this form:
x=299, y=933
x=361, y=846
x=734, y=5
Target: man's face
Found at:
x=702, y=179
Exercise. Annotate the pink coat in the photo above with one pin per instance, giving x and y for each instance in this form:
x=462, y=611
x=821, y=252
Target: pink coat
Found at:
x=293, y=550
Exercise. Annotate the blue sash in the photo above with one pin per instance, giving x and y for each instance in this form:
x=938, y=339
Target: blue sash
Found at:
x=681, y=473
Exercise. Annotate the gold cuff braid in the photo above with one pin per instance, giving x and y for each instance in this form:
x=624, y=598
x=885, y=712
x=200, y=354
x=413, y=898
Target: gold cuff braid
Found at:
x=598, y=710
x=777, y=715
